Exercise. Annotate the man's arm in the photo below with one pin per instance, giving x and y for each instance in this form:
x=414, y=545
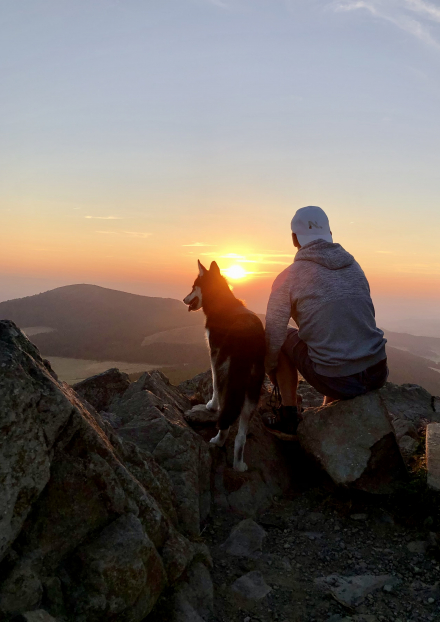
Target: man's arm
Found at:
x=278, y=314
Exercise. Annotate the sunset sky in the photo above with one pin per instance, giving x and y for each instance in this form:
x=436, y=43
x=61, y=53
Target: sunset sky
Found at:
x=137, y=136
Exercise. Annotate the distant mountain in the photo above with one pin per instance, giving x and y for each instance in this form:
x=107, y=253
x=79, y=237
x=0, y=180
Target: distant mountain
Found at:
x=427, y=347
x=91, y=322
x=406, y=367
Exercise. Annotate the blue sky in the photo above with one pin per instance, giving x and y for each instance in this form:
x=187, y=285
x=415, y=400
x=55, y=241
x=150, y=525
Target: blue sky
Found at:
x=213, y=121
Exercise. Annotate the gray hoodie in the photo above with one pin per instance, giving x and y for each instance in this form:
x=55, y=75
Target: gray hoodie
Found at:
x=327, y=294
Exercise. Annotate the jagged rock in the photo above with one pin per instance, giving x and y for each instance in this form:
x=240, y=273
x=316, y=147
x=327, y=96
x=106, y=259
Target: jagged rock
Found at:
x=88, y=513
x=351, y=591
x=200, y=415
x=245, y=539
x=407, y=446
x=409, y=402
x=151, y=411
x=433, y=455
x=197, y=590
x=101, y=390
x=249, y=589
x=354, y=443
x=28, y=428
x=119, y=570
x=198, y=389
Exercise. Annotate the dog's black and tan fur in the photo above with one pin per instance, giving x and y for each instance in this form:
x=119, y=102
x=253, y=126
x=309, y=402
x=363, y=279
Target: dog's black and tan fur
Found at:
x=237, y=344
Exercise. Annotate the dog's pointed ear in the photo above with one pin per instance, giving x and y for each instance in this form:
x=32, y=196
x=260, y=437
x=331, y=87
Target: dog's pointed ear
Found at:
x=202, y=269
x=214, y=268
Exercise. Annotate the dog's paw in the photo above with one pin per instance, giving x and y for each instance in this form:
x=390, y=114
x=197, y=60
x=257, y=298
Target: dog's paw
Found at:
x=211, y=405
x=217, y=440
x=241, y=467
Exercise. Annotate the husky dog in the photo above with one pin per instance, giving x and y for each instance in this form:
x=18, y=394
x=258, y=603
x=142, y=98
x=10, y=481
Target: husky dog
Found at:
x=237, y=344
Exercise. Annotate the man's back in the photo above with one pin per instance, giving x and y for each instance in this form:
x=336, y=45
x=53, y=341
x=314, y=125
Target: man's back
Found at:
x=328, y=296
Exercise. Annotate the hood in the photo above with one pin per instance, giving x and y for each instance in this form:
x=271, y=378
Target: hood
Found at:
x=331, y=256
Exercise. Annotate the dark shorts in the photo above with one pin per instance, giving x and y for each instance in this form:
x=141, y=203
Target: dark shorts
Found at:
x=340, y=388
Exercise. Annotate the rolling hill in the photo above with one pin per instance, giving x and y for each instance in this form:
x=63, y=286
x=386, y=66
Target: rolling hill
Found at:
x=99, y=324
x=91, y=322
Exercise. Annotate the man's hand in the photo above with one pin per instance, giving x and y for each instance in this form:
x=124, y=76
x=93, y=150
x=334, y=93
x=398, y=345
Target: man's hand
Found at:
x=273, y=377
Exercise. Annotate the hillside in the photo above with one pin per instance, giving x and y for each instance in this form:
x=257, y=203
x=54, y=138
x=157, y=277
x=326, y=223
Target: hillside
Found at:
x=408, y=368
x=91, y=322
x=426, y=347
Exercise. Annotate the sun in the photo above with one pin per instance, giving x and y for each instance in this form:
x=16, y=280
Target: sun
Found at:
x=235, y=272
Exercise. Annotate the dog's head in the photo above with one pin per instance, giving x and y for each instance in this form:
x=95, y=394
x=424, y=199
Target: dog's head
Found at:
x=204, y=283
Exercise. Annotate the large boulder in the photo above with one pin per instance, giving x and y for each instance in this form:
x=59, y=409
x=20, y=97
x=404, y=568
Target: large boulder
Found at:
x=102, y=389
x=150, y=414
x=90, y=526
x=355, y=444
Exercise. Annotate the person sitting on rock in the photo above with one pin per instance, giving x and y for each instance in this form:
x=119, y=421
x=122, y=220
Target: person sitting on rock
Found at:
x=337, y=347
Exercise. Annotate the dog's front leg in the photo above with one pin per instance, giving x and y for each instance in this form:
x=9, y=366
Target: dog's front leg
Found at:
x=213, y=402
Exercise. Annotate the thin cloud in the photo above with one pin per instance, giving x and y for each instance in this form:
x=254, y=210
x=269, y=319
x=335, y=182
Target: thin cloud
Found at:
x=416, y=17
x=136, y=234
x=103, y=217
x=199, y=244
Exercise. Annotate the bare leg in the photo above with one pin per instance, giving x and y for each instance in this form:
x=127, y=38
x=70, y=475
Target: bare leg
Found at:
x=287, y=376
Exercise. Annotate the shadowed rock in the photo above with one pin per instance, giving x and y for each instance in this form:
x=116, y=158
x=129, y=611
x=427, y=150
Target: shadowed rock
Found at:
x=88, y=520
x=100, y=390
x=245, y=540
x=354, y=442
x=433, y=455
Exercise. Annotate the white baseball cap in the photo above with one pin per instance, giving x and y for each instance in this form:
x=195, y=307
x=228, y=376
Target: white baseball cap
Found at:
x=311, y=223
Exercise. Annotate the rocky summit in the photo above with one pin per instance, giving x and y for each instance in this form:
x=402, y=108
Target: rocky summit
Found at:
x=114, y=507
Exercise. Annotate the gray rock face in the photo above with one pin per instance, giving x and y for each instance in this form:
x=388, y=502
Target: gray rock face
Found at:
x=119, y=572
x=151, y=412
x=197, y=590
x=246, y=539
x=200, y=415
x=89, y=519
x=433, y=455
x=28, y=428
x=351, y=591
x=101, y=390
x=409, y=402
x=354, y=442
x=198, y=389
x=249, y=589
